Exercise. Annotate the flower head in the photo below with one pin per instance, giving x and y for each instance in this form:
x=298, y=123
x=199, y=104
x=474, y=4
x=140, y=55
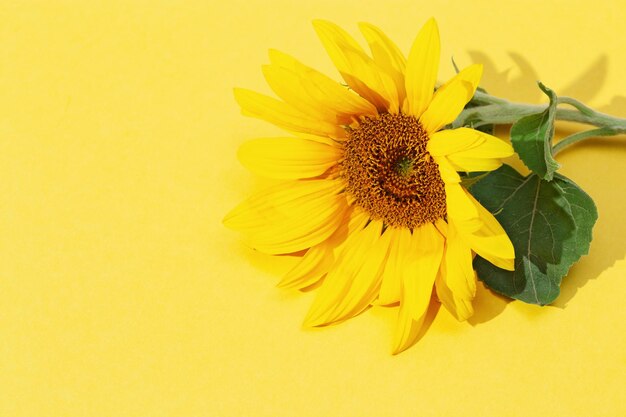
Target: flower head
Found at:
x=370, y=188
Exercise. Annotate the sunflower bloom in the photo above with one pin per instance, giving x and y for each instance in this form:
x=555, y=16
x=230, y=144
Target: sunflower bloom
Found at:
x=369, y=187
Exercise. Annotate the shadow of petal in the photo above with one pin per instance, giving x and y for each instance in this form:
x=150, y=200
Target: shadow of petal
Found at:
x=517, y=82
x=487, y=305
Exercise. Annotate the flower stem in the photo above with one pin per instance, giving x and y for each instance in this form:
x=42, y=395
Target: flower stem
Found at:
x=495, y=110
x=577, y=137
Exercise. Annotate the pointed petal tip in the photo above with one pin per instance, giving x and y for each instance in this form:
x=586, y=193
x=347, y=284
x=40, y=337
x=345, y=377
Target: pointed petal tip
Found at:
x=319, y=24
x=320, y=317
x=239, y=95
x=508, y=264
x=312, y=319
x=227, y=220
x=241, y=154
x=475, y=71
x=365, y=26
x=283, y=284
x=291, y=284
x=422, y=68
x=265, y=69
x=399, y=348
x=432, y=21
x=275, y=55
x=307, y=324
x=464, y=316
x=232, y=219
x=508, y=260
x=432, y=26
x=311, y=322
x=395, y=351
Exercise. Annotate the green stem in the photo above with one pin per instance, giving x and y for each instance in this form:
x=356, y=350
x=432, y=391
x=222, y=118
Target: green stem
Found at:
x=583, y=108
x=495, y=110
x=491, y=110
x=577, y=137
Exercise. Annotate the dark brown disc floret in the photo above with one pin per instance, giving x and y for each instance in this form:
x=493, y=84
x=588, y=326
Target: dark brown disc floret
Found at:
x=390, y=174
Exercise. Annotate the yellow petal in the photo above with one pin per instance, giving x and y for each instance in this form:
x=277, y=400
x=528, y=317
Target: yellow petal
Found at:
x=420, y=270
x=450, y=141
x=283, y=115
x=442, y=227
x=319, y=259
x=407, y=329
x=450, y=99
x=357, y=220
x=287, y=85
x=460, y=207
x=486, y=146
x=358, y=70
x=318, y=88
x=371, y=82
x=460, y=276
x=459, y=308
x=443, y=292
x=464, y=309
x=352, y=283
x=468, y=149
x=447, y=170
x=453, y=151
x=504, y=263
x=489, y=240
x=474, y=164
x=421, y=69
x=387, y=56
x=427, y=251
x=288, y=158
x=392, y=275
x=321, y=139
x=311, y=268
x=290, y=216
x=366, y=283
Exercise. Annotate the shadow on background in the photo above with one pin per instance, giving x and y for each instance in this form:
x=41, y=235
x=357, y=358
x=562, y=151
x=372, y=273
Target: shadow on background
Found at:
x=519, y=81
x=500, y=82
x=609, y=234
x=487, y=305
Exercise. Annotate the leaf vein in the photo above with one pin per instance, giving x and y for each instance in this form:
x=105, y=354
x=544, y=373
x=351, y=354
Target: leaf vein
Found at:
x=530, y=238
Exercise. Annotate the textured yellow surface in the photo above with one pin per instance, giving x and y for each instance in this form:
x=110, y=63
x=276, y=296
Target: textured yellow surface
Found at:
x=121, y=294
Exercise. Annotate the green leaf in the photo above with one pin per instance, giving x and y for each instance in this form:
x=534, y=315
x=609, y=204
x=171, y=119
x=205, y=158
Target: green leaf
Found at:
x=531, y=137
x=549, y=224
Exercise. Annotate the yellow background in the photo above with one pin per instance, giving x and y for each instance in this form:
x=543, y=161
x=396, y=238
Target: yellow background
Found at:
x=121, y=294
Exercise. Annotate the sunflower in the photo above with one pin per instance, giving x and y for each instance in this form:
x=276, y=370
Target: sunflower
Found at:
x=369, y=187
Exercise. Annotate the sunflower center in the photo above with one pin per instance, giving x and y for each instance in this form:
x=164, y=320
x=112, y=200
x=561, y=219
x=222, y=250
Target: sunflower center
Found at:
x=404, y=166
x=390, y=174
